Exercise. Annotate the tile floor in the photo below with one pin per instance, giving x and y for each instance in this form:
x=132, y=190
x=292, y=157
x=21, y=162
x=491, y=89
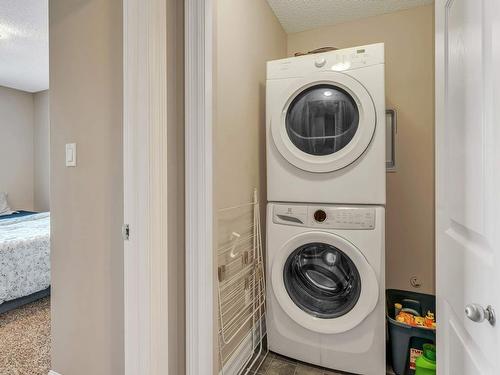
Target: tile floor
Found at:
x=275, y=364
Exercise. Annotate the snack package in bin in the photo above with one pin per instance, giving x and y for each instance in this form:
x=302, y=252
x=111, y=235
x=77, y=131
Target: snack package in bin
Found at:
x=416, y=321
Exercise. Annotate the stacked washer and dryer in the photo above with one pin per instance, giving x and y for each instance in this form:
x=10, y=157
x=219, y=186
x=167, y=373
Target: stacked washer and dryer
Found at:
x=326, y=217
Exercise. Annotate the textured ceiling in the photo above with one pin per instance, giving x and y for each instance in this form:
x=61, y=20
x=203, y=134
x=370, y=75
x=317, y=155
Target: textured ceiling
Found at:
x=301, y=15
x=24, y=44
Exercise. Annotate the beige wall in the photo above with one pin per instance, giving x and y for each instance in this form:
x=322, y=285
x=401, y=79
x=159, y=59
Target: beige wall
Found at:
x=247, y=35
x=409, y=41
x=41, y=134
x=16, y=147
x=86, y=93
x=175, y=135
x=24, y=148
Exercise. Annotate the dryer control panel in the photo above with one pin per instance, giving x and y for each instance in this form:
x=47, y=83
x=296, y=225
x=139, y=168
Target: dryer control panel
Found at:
x=339, y=60
x=327, y=217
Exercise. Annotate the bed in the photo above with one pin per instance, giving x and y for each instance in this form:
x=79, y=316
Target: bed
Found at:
x=24, y=258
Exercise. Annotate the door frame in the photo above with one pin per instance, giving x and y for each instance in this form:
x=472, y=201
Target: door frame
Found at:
x=200, y=321
x=145, y=186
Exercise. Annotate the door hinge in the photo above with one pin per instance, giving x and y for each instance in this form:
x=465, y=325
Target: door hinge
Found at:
x=125, y=232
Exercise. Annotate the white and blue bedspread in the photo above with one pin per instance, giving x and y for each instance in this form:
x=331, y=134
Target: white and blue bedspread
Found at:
x=24, y=256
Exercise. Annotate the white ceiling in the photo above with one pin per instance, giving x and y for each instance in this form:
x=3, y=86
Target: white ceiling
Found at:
x=24, y=44
x=301, y=15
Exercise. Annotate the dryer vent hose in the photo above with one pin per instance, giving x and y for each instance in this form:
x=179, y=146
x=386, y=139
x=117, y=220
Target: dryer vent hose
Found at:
x=317, y=50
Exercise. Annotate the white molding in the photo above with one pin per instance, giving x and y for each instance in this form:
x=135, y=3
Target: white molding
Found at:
x=52, y=372
x=439, y=120
x=199, y=246
x=145, y=186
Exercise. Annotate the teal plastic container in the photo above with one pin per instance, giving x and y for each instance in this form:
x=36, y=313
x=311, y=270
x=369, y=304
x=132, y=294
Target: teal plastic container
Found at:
x=403, y=337
x=426, y=363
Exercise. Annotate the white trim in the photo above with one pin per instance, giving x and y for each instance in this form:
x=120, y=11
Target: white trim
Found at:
x=199, y=210
x=145, y=186
x=52, y=372
x=440, y=41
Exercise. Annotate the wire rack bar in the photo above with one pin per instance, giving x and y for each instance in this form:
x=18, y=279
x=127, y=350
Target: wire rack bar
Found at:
x=241, y=286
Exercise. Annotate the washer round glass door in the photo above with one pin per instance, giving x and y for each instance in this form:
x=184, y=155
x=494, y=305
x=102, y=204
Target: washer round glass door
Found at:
x=324, y=123
x=323, y=282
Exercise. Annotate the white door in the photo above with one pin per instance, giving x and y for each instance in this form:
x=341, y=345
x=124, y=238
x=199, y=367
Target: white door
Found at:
x=468, y=185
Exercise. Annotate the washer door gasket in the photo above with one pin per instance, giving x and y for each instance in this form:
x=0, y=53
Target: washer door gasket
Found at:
x=323, y=282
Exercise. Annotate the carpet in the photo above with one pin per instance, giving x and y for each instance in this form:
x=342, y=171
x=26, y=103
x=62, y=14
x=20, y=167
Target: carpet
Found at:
x=25, y=340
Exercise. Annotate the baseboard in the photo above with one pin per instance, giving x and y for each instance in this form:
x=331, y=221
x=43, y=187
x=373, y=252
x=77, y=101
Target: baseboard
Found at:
x=51, y=372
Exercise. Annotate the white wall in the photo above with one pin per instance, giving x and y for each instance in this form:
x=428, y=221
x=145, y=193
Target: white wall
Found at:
x=16, y=147
x=41, y=178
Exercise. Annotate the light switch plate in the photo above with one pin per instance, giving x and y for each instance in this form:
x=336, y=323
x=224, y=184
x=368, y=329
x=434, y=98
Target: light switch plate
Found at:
x=70, y=154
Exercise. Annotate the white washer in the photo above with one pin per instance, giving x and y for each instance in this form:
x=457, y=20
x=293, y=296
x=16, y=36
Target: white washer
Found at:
x=326, y=285
x=325, y=117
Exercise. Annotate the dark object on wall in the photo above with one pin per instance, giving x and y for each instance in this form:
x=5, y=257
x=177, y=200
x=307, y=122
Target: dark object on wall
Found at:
x=317, y=50
x=391, y=132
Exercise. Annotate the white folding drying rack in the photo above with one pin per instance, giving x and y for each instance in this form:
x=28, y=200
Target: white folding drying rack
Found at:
x=241, y=289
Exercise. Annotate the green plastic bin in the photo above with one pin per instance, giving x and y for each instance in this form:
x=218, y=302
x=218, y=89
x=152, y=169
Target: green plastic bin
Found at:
x=426, y=363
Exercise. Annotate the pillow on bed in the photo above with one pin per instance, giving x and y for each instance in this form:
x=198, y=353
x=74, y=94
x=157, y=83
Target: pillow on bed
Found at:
x=4, y=206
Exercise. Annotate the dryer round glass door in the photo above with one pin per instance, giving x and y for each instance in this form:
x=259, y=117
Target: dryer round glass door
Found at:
x=324, y=122
x=323, y=282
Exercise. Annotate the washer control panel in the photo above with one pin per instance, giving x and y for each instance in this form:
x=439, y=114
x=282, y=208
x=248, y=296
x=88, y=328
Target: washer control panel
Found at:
x=327, y=217
x=342, y=217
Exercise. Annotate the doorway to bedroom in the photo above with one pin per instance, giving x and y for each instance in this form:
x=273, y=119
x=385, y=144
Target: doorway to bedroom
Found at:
x=24, y=188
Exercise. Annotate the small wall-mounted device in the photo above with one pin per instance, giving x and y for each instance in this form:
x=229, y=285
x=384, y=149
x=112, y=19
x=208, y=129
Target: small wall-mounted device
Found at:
x=390, y=144
x=415, y=282
x=70, y=154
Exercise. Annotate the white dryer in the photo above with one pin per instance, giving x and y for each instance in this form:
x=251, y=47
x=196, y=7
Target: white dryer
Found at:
x=325, y=117
x=326, y=285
